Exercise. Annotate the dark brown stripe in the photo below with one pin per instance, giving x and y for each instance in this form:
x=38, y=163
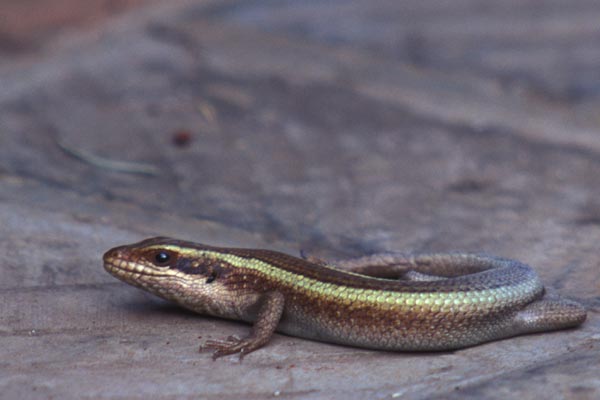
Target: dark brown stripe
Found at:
x=511, y=274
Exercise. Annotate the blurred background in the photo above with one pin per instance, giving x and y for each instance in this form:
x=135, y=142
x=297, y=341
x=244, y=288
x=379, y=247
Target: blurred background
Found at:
x=341, y=128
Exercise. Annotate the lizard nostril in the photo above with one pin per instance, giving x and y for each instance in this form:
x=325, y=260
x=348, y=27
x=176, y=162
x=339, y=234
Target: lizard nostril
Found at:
x=112, y=253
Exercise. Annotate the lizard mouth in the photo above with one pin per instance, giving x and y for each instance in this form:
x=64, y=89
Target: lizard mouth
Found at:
x=116, y=264
x=118, y=261
x=123, y=269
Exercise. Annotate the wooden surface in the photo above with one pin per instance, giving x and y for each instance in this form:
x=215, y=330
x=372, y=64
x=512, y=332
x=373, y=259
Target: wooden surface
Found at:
x=340, y=128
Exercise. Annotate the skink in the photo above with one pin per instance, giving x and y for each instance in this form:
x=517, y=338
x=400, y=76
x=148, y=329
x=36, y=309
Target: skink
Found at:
x=386, y=301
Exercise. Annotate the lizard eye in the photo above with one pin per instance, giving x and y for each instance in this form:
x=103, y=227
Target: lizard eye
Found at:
x=162, y=258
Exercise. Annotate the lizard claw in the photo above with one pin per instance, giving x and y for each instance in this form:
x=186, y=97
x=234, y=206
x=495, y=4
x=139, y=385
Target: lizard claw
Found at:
x=231, y=345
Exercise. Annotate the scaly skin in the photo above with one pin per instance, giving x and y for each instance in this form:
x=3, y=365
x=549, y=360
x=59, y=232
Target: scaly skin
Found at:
x=389, y=302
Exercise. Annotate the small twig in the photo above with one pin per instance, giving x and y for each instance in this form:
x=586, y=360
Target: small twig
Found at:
x=105, y=163
x=208, y=111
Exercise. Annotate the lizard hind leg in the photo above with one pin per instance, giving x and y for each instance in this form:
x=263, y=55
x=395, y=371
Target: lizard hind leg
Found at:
x=548, y=314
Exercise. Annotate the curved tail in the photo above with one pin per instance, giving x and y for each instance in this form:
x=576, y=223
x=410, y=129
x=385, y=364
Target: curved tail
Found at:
x=548, y=314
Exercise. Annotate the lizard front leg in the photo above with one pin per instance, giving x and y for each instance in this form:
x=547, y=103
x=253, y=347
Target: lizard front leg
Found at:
x=266, y=322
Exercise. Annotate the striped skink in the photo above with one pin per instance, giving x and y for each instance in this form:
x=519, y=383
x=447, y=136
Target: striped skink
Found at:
x=385, y=301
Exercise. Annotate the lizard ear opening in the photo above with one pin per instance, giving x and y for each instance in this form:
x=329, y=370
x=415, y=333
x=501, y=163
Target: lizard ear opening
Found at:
x=212, y=276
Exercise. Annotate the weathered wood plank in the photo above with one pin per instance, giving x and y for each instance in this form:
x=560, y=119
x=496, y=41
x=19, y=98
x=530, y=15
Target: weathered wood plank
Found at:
x=297, y=141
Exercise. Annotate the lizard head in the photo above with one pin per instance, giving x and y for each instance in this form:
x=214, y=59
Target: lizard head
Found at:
x=184, y=272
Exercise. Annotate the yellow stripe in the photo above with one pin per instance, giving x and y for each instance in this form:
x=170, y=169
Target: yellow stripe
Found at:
x=415, y=301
